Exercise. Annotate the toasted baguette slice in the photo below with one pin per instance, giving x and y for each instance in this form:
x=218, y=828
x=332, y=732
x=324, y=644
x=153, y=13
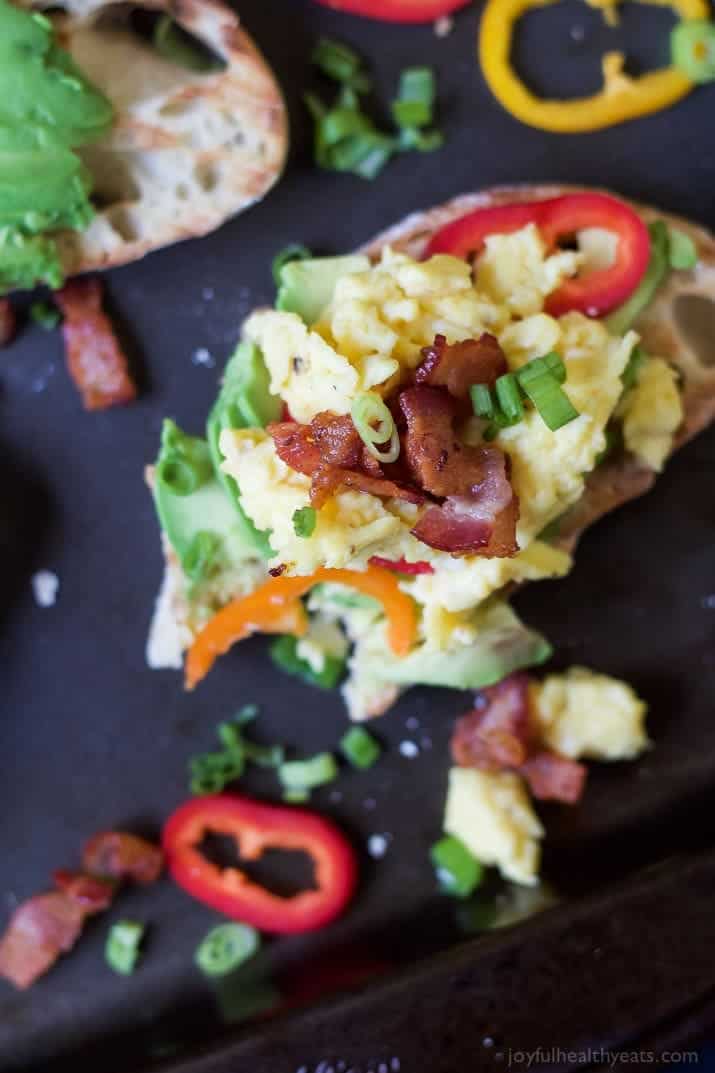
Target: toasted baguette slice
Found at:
x=669, y=328
x=187, y=150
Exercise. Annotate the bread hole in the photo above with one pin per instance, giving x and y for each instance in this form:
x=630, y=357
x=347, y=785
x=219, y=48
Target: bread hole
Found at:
x=112, y=178
x=180, y=106
x=182, y=192
x=207, y=175
x=694, y=316
x=122, y=221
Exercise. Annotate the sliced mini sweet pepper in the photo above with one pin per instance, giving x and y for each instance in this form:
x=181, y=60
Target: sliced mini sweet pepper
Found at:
x=621, y=98
x=595, y=292
x=275, y=608
x=397, y=10
x=257, y=828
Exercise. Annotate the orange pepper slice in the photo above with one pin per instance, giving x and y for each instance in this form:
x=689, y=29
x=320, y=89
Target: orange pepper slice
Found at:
x=275, y=607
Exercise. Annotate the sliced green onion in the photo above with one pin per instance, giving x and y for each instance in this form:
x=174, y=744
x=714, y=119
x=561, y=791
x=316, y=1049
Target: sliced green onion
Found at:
x=304, y=521
x=375, y=424
x=692, y=47
x=459, y=873
x=682, y=251
x=307, y=774
x=340, y=63
x=415, y=100
x=201, y=559
x=293, y=252
x=499, y=421
x=554, y=406
x=46, y=315
x=179, y=47
x=482, y=400
x=630, y=374
x=314, y=105
x=284, y=654
x=509, y=397
x=376, y=151
x=359, y=747
x=185, y=462
x=122, y=948
x=550, y=363
x=226, y=947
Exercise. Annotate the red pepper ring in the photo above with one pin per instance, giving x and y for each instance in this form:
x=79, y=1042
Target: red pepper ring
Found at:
x=257, y=827
x=596, y=292
x=397, y=10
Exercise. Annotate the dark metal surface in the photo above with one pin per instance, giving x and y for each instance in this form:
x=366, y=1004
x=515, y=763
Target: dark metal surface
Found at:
x=90, y=738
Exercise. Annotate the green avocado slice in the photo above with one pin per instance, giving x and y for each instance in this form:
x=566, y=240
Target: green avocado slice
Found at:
x=244, y=401
x=503, y=645
x=307, y=286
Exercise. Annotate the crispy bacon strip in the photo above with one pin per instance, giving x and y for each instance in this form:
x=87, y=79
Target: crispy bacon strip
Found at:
x=117, y=855
x=457, y=366
x=94, y=357
x=553, y=777
x=330, y=451
x=39, y=931
x=499, y=735
x=91, y=894
x=8, y=322
x=480, y=511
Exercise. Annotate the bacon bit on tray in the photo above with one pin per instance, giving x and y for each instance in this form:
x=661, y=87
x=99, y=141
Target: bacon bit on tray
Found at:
x=48, y=925
x=91, y=894
x=39, y=931
x=117, y=855
x=552, y=777
x=7, y=321
x=94, y=357
x=459, y=365
x=499, y=735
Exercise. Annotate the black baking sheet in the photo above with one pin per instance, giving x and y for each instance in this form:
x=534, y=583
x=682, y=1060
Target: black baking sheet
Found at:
x=91, y=738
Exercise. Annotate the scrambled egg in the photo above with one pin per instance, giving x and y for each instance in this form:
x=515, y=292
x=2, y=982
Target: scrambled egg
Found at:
x=492, y=815
x=652, y=413
x=583, y=714
x=369, y=338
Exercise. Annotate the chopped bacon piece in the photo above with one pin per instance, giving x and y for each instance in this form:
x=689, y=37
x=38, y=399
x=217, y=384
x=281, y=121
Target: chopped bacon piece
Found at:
x=117, y=855
x=330, y=451
x=480, y=512
x=459, y=365
x=95, y=359
x=553, y=777
x=499, y=735
x=91, y=894
x=40, y=929
x=8, y=322
x=402, y=566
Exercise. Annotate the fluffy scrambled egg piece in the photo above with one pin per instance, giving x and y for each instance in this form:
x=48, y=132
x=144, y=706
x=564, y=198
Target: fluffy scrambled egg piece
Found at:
x=652, y=413
x=492, y=815
x=514, y=271
x=584, y=714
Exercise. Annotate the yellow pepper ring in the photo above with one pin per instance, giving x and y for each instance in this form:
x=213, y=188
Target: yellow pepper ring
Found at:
x=620, y=99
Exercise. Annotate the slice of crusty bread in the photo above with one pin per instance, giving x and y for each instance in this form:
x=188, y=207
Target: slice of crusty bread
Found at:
x=671, y=327
x=668, y=329
x=187, y=150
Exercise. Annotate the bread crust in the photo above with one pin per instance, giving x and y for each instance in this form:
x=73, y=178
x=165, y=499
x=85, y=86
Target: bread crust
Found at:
x=187, y=151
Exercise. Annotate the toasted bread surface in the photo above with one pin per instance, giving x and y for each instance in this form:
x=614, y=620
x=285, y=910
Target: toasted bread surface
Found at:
x=187, y=150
